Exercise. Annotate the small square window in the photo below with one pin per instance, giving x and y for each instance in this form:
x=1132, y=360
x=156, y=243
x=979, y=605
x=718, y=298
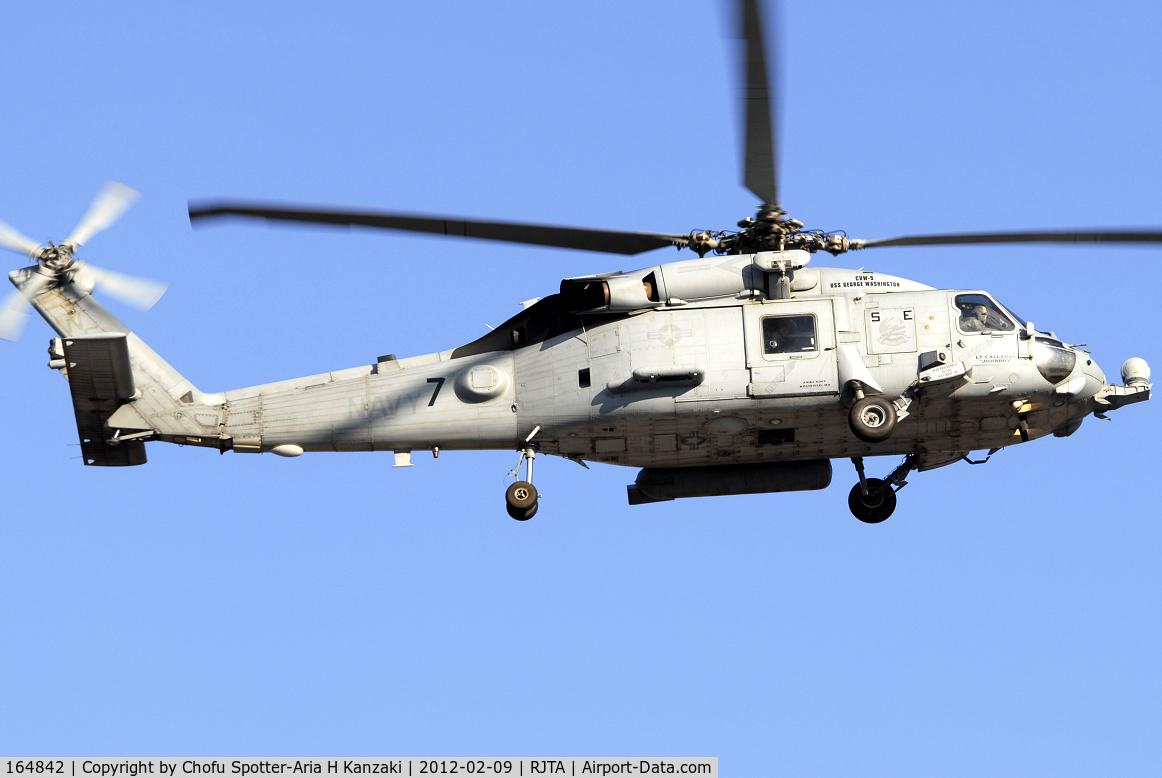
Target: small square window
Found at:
x=789, y=334
x=583, y=378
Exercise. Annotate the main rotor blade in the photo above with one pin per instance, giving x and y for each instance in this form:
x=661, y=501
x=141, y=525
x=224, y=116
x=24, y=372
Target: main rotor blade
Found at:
x=608, y=241
x=11, y=238
x=760, y=174
x=14, y=313
x=142, y=293
x=1047, y=236
x=112, y=201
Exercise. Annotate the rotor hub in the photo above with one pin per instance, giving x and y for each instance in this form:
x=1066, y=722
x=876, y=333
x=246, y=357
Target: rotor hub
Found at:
x=57, y=258
x=770, y=230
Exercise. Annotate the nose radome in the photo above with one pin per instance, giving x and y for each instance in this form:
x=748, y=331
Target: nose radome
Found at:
x=1135, y=370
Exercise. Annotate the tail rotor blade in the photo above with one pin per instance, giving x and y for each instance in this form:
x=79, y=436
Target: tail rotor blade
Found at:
x=112, y=201
x=13, y=317
x=141, y=293
x=14, y=313
x=11, y=238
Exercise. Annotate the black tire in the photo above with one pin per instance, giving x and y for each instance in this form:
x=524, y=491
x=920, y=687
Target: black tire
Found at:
x=522, y=495
x=877, y=506
x=521, y=515
x=872, y=419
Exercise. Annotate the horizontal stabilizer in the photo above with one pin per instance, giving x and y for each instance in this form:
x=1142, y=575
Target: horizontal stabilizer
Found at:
x=101, y=379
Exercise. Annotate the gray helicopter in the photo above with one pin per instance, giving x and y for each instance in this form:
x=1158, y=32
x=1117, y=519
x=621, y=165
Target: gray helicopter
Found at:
x=744, y=370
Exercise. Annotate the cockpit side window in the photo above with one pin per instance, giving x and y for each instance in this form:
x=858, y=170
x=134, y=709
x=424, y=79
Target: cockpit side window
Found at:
x=980, y=314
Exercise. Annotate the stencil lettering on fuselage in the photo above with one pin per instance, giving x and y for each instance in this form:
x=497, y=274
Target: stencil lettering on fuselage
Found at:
x=891, y=331
x=388, y=406
x=988, y=350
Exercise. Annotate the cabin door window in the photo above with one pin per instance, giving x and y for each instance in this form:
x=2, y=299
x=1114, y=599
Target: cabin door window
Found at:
x=790, y=348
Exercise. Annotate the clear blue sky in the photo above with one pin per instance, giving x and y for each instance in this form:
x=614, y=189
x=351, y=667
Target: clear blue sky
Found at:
x=1005, y=620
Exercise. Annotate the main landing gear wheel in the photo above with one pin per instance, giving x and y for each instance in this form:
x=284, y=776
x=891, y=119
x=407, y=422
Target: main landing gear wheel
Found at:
x=877, y=506
x=872, y=500
x=872, y=419
x=521, y=500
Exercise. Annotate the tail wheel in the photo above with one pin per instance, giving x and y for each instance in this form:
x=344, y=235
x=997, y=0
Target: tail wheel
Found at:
x=522, y=495
x=872, y=419
x=521, y=500
x=877, y=506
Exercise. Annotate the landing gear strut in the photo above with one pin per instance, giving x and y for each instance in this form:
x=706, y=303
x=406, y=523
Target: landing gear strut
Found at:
x=521, y=498
x=872, y=500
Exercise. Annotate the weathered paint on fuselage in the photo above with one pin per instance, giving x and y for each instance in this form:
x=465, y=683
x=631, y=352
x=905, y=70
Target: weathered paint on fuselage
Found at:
x=578, y=386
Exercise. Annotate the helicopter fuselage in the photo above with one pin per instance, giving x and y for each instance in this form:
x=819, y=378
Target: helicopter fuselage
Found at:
x=692, y=385
x=729, y=380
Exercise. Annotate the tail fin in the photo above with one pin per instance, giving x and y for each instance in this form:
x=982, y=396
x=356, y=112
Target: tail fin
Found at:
x=100, y=375
x=123, y=392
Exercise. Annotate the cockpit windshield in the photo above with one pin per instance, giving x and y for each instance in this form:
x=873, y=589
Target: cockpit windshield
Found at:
x=1021, y=321
x=979, y=313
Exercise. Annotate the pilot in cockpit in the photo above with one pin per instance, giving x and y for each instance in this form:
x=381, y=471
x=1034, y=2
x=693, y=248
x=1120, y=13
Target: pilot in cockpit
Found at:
x=980, y=314
x=974, y=318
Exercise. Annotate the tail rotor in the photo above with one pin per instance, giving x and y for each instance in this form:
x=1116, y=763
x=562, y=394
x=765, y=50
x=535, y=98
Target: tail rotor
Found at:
x=57, y=263
x=111, y=202
x=11, y=238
